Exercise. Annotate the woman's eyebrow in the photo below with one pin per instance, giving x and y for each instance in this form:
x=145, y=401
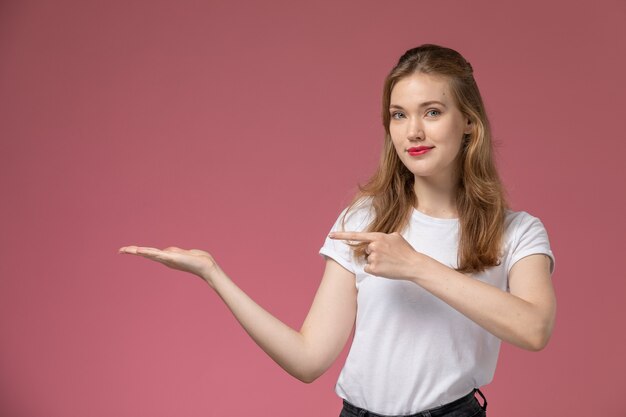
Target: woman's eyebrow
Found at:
x=424, y=104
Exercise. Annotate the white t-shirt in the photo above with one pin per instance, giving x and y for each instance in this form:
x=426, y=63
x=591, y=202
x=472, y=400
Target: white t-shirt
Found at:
x=411, y=351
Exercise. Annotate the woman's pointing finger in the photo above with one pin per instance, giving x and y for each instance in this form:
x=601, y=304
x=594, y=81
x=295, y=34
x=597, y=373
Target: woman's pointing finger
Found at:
x=356, y=236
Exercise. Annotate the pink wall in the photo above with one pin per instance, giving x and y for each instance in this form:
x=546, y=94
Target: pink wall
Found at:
x=242, y=128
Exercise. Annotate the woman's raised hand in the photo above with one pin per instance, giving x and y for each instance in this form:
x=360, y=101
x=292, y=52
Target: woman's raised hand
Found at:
x=195, y=261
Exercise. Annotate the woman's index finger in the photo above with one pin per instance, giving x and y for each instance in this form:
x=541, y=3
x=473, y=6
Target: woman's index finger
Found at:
x=357, y=236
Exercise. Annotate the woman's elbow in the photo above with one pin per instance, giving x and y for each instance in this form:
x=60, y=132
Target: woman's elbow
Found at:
x=538, y=342
x=540, y=329
x=308, y=377
x=310, y=368
x=538, y=338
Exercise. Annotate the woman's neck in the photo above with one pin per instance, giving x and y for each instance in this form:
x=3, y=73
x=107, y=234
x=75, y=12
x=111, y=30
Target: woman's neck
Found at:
x=436, y=198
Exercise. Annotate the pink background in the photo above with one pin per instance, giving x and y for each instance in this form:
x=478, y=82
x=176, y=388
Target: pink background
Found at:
x=242, y=128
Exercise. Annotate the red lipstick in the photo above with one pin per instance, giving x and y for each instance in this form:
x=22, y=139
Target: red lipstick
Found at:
x=419, y=150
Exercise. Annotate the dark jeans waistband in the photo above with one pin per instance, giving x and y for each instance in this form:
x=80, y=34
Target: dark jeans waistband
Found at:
x=433, y=412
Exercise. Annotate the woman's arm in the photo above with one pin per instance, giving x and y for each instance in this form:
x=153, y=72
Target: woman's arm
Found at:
x=305, y=354
x=524, y=316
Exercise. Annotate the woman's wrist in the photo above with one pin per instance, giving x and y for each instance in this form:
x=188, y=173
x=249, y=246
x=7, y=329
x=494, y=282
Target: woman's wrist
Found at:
x=213, y=275
x=423, y=268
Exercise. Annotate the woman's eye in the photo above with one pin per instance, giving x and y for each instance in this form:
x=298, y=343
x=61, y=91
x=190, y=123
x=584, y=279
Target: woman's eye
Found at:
x=397, y=115
x=433, y=113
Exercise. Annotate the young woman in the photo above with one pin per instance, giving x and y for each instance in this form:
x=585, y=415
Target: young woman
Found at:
x=427, y=260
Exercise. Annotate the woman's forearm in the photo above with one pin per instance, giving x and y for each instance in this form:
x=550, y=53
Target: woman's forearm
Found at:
x=524, y=316
x=526, y=324
x=283, y=344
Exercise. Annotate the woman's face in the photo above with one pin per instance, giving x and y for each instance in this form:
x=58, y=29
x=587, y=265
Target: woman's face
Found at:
x=426, y=126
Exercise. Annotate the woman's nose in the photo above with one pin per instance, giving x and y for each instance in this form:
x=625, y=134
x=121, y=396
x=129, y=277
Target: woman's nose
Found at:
x=415, y=131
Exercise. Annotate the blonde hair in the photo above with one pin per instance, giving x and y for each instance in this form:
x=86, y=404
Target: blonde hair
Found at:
x=480, y=199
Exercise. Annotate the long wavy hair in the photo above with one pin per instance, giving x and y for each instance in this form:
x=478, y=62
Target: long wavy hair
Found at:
x=480, y=199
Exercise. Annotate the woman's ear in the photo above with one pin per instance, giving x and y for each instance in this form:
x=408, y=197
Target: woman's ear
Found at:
x=469, y=126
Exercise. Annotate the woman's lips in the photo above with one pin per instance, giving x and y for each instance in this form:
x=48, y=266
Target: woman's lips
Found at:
x=419, y=150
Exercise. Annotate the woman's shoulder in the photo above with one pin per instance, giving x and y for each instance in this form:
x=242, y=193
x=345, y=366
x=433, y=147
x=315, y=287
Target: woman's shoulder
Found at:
x=516, y=219
x=358, y=214
x=525, y=234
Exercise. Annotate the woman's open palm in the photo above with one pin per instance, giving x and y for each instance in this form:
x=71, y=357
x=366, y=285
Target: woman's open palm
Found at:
x=195, y=261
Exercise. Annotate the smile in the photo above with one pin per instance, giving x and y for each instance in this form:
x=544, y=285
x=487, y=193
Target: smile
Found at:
x=420, y=150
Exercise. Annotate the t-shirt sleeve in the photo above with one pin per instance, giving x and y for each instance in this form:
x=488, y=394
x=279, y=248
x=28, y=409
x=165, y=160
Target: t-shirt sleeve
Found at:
x=357, y=219
x=338, y=250
x=531, y=238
